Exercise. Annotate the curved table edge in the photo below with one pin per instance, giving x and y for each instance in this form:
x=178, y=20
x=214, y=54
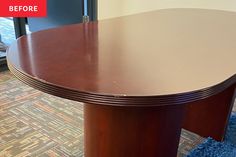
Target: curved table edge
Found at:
x=119, y=100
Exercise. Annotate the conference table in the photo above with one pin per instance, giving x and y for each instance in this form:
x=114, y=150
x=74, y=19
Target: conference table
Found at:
x=141, y=77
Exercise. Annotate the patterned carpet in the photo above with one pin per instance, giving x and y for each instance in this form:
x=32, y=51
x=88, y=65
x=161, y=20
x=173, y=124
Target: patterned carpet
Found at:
x=36, y=124
x=40, y=125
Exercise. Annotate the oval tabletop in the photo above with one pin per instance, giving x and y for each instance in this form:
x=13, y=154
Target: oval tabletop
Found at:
x=163, y=57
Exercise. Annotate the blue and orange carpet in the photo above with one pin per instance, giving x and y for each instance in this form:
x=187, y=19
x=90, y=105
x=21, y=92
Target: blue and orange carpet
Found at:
x=36, y=124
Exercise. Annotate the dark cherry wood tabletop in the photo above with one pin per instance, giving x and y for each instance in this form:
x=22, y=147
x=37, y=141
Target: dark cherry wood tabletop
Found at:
x=157, y=53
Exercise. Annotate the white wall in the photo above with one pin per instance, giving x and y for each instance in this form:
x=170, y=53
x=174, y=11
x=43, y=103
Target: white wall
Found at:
x=115, y=8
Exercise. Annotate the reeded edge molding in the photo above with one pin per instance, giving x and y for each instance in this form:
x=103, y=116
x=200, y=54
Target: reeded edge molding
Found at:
x=114, y=100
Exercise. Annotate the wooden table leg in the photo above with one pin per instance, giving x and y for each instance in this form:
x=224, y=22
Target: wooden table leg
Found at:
x=209, y=117
x=132, y=131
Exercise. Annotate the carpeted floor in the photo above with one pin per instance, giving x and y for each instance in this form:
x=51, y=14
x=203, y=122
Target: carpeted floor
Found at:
x=40, y=125
x=36, y=124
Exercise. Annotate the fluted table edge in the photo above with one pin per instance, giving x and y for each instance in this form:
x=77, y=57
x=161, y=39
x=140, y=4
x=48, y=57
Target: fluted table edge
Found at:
x=120, y=100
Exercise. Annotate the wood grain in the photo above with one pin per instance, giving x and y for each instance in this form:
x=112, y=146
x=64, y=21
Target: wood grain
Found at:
x=138, y=76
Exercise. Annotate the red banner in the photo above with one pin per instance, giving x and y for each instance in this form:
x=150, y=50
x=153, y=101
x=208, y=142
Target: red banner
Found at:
x=23, y=8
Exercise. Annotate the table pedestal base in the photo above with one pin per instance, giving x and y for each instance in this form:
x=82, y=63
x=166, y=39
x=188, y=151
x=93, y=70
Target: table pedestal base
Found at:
x=209, y=117
x=132, y=131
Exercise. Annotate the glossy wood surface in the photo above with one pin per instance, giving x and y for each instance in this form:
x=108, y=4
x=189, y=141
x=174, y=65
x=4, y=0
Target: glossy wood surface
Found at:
x=163, y=57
